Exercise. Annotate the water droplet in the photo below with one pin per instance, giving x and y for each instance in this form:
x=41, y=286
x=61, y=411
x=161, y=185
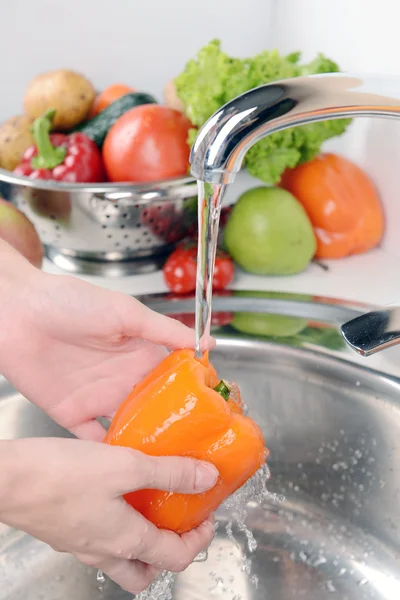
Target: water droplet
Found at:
x=330, y=587
x=320, y=560
x=202, y=556
x=100, y=577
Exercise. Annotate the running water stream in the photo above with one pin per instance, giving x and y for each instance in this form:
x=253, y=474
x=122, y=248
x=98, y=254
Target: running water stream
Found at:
x=209, y=210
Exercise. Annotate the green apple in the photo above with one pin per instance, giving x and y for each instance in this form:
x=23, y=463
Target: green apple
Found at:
x=268, y=324
x=269, y=233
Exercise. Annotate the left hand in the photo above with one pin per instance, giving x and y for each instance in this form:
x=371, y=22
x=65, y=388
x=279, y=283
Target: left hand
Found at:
x=76, y=350
x=75, y=504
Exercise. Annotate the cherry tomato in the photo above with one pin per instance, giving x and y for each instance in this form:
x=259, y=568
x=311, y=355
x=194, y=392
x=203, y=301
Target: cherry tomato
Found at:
x=108, y=96
x=180, y=270
x=147, y=143
x=224, y=271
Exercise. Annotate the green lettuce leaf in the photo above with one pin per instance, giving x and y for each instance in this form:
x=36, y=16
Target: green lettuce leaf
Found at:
x=213, y=78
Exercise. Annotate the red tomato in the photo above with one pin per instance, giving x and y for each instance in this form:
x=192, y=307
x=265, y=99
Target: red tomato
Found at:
x=187, y=319
x=318, y=325
x=218, y=319
x=180, y=270
x=147, y=143
x=164, y=221
x=108, y=96
x=225, y=213
x=224, y=271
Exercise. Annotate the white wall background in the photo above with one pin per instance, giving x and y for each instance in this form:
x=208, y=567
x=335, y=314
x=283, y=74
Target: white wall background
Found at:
x=145, y=43
x=359, y=34
x=141, y=42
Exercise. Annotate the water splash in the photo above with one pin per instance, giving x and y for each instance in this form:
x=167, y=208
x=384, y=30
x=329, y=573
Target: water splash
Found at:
x=254, y=491
x=160, y=588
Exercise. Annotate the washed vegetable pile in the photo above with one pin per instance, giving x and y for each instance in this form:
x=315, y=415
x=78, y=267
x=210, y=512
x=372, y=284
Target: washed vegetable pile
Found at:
x=314, y=205
x=309, y=205
x=69, y=133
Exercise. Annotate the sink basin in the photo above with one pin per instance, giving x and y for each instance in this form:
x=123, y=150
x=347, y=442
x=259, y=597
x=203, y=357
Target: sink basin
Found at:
x=333, y=429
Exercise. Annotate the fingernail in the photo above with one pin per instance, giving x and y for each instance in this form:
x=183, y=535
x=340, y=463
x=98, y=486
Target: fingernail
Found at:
x=206, y=477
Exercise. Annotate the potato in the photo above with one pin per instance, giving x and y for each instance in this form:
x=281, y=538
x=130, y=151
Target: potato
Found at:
x=15, y=138
x=171, y=97
x=70, y=94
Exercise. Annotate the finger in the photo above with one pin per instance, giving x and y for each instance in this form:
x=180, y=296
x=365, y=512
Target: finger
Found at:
x=132, y=575
x=159, y=329
x=135, y=538
x=169, y=473
x=91, y=430
x=164, y=331
x=169, y=551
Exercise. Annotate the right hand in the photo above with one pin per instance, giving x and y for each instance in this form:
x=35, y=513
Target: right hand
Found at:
x=68, y=493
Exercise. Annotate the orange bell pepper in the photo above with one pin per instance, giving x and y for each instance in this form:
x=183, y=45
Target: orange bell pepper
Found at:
x=175, y=411
x=341, y=202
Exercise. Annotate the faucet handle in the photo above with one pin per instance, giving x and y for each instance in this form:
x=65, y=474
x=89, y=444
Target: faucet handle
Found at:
x=373, y=331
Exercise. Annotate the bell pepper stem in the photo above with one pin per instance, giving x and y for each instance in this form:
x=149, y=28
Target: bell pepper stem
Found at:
x=48, y=156
x=224, y=389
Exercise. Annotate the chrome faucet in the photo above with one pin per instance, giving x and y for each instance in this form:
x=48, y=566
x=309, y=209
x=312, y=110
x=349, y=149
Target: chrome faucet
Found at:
x=223, y=141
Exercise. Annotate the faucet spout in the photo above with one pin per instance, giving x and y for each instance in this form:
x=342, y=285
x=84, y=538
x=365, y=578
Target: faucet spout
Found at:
x=223, y=141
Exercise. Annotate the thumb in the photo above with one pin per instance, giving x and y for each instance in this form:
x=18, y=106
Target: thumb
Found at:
x=171, y=474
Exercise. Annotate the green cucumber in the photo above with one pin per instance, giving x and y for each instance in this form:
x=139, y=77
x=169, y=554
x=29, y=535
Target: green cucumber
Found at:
x=98, y=127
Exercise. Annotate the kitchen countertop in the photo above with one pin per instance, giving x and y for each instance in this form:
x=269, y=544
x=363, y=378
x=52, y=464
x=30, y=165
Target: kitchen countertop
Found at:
x=370, y=278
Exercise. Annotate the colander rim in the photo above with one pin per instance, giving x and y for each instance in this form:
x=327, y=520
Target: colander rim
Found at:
x=97, y=188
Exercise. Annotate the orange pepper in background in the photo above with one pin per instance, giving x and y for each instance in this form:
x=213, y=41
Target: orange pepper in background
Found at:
x=341, y=202
x=175, y=411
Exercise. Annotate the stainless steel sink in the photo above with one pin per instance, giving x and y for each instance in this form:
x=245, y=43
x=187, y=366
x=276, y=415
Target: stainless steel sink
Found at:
x=333, y=428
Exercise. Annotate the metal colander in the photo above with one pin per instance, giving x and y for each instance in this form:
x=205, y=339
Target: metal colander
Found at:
x=105, y=223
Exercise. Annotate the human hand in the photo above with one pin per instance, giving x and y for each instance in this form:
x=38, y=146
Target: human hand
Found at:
x=68, y=493
x=76, y=350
